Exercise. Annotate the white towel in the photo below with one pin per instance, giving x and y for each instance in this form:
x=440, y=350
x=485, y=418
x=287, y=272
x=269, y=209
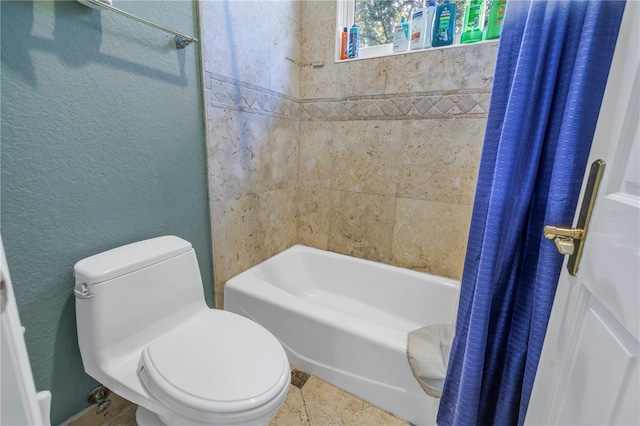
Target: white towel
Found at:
x=428, y=350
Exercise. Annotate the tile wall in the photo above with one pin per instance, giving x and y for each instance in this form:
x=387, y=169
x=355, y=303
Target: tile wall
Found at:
x=389, y=148
x=373, y=158
x=251, y=50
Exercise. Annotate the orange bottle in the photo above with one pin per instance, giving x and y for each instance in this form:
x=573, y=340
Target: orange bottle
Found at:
x=344, y=44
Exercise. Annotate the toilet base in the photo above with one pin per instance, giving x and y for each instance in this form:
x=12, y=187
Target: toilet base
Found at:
x=145, y=417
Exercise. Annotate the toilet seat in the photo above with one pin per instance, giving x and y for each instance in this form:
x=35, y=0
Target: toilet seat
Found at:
x=217, y=367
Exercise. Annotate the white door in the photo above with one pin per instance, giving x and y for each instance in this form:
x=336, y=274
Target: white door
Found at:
x=588, y=373
x=20, y=405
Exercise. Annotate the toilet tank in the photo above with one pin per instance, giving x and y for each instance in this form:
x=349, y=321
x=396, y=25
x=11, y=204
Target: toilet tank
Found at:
x=128, y=296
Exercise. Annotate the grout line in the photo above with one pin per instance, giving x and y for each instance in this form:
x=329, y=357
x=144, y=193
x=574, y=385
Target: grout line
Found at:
x=304, y=405
x=298, y=185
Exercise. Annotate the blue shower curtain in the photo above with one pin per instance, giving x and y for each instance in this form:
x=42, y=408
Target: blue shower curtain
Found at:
x=552, y=66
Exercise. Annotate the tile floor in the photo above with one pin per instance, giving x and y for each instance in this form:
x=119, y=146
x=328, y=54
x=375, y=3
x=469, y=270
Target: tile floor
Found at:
x=310, y=402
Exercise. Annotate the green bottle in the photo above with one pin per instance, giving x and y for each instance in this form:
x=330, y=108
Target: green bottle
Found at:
x=496, y=16
x=473, y=21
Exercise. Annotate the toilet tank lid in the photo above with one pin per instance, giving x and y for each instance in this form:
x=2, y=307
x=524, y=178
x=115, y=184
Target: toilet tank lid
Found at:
x=132, y=257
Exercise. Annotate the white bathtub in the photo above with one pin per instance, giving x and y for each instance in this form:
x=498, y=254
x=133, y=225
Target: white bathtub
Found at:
x=345, y=320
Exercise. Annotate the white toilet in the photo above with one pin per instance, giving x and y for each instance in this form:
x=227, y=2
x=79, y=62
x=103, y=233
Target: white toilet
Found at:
x=146, y=333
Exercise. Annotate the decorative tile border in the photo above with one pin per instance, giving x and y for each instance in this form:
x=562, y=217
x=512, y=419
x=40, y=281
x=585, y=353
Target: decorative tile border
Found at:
x=399, y=107
x=223, y=92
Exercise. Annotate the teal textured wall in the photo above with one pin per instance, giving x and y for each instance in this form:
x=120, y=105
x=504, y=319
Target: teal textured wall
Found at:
x=102, y=145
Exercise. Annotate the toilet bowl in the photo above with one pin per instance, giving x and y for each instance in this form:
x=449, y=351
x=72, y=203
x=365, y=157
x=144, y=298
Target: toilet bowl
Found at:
x=146, y=333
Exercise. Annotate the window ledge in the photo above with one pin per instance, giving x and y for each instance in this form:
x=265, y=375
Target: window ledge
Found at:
x=383, y=51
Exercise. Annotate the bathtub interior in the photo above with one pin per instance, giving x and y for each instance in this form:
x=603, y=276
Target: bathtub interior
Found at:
x=385, y=295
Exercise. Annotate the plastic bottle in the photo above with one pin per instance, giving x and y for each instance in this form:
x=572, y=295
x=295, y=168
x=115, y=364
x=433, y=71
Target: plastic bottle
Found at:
x=405, y=27
x=496, y=16
x=353, y=41
x=444, y=24
x=418, y=21
x=431, y=14
x=473, y=21
x=421, y=26
x=401, y=36
x=344, y=43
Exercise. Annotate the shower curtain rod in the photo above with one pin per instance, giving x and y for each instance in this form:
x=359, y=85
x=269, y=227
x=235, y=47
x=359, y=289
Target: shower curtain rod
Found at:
x=182, y=40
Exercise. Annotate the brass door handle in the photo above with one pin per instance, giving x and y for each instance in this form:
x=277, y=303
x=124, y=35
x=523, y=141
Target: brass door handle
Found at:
x=564, y=238
x=551, y=232
x=570, y=241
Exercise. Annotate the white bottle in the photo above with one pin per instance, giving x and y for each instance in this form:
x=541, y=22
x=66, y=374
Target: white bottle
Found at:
x=418, y=28
x=401, y=36
x=421, y=26
x=431, y=16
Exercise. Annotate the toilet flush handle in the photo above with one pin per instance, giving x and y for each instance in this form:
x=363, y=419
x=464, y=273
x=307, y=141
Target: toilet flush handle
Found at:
x=82, y=291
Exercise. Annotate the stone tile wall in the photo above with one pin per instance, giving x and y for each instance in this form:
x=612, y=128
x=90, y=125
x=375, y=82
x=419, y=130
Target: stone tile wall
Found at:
x=389, y=148
x=374, y=158
x=394, y=191
x=252, y=85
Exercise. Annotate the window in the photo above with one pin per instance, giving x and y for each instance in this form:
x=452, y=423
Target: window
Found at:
x=376, y=19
